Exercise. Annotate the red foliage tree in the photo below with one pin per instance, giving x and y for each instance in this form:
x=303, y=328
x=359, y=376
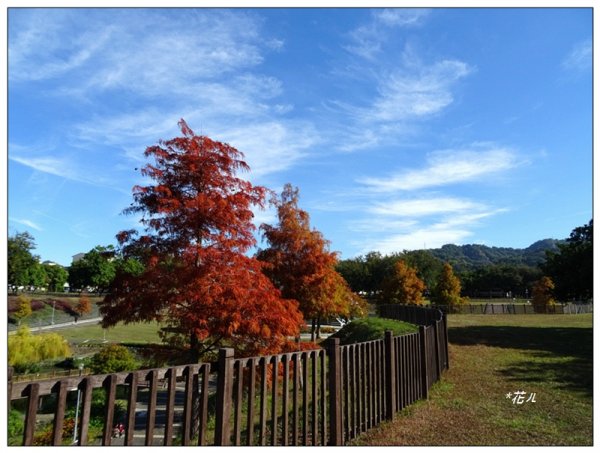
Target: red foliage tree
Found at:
x=197, y=279
x=300, y=264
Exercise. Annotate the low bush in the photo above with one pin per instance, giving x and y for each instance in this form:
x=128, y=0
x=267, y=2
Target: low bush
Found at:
x=113, y=359
x=367, y=329
x=15, y=427
x=25, y=349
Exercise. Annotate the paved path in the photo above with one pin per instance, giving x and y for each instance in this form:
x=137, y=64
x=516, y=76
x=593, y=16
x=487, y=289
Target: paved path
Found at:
x=63, y=324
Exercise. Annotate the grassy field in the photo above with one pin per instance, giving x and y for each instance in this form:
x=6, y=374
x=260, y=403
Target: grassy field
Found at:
x=491, y=356
x=131, y=333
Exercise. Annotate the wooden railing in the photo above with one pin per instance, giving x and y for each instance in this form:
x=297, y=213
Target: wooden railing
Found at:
x=317, y=397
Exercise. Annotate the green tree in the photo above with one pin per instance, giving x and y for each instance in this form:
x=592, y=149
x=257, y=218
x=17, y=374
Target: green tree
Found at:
x=113, y=359
x=571, y=268
x=367, y=273
x=505, y=278
x=37, y=276
x=447, y=289
x=97, y=269
x=57, y=276
x=428, y=267
x=131, y=266
x=403, y=286
x=20, y=260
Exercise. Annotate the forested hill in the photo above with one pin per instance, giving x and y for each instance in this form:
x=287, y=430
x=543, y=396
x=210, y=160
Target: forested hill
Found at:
x=475, y=255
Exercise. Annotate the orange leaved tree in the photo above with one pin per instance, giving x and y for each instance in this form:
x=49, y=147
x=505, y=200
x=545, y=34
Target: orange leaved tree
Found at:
x=197, y=279
x=84, y=305
x=300, y=264
x=542, y=295
x=403, y=286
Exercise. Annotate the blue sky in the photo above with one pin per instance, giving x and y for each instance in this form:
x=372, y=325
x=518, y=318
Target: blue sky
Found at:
x=402, y=128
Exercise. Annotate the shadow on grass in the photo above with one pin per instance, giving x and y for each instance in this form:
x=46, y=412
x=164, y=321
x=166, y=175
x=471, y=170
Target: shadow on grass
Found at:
x=560, y=354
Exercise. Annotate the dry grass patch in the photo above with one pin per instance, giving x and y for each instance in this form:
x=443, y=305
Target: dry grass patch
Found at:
x=490, y=357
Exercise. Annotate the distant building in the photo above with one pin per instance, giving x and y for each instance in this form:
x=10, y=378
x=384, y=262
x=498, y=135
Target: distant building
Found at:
x=77, y=257
x=50, y=263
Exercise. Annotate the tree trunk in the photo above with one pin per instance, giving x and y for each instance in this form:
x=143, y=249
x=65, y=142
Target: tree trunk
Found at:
x=319, y=328
x=312, y=330
x=195, y=357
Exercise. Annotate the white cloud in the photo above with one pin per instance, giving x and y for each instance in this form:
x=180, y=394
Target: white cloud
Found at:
x=393, y=224
x=580, y=57
x=367, y=40
x=267, y=215
x=405, y=93
x=448, y=167
x=64, y=167
x=417, y=93
x=424, y=207
x=26, y=222
x=150, y=51
x=380, y=225
x=270, y=146
x=37, y=48
x=425, y=237
x=203, y=63
x=408, y=233
x=401, y=17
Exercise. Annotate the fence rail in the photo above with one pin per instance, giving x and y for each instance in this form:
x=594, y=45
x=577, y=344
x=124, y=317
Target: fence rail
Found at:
x=317, y=397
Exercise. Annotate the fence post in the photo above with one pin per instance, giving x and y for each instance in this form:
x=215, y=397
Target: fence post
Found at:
x=436, y=336
x=335, y=392
x=445, y=319
x=224, y=394
x=424, y=380
x=390, y=375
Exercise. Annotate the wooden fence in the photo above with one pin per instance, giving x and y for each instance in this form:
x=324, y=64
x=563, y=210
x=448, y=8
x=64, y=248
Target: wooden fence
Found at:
x=317, y=397
x=518, y=309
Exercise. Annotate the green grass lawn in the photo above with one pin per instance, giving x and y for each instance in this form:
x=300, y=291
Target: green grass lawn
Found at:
x=130, y=333
x=494, y=355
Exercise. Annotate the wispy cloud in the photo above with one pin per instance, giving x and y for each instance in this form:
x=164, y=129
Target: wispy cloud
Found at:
x=580, y=57
x=273, y=146
x=402, y=17
x=63, y=167
x=202, y=65
x=403, y=216
x=405, y=92
x=422, y=91
x=424, y=207
x=426, y=237
x=26, y=222
x=448, y=167
x=367, y=40
x=445, y=225
x=156, y=49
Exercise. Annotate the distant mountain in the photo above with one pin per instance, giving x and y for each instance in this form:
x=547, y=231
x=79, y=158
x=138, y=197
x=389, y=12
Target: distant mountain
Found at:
x=475, y=255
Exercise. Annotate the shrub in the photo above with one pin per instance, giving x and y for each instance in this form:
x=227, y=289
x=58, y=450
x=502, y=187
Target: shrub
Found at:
x=23, y=308
x=62, y=305
x=15, y=427
x=112, y=359
x=84, y=305
x=25, y=349
x=367, y=329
